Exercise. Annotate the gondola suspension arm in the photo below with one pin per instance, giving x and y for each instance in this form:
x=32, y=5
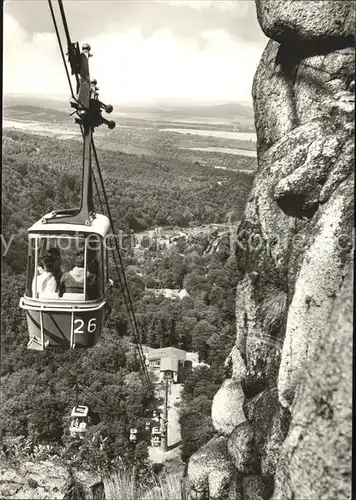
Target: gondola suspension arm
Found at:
x=88, y=109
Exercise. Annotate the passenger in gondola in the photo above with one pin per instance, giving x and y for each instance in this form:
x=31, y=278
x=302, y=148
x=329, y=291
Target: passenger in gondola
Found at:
x=92, y=279
x=82, y=425
x=57, y=271
x=73, y=281
x=45, y=281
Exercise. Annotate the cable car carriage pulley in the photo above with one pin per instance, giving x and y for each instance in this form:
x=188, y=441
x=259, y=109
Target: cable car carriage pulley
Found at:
x=68, y=289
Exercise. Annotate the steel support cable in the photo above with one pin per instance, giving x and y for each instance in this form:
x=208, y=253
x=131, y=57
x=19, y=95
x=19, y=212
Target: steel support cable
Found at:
x=134, y=322
x=61, y=48
x=109, y=410
x=83, y=386
x=64, y=20
x=134, y=331
x=136, y=336
x=65, y=25
x=133, y=327
x=116, y=243
x=74, y=375
x=66, y=30
x=128, y=301
x=129, y=305
x=97, y=192
x=94, y=179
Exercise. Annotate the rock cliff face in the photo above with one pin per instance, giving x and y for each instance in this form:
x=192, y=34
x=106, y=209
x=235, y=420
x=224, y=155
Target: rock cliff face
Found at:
x=49, y=480
x=284, y=417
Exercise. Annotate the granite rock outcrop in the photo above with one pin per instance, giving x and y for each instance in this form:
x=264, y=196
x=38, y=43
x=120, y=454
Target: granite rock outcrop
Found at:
x=291, y=364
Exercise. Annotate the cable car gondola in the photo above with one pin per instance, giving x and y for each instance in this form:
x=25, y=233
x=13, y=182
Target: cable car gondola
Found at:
x=156, y=415
x=156, y=441
x=156, y=437
x=78, y=426
x=72, y=262
x=68, y=288
x=133, y=434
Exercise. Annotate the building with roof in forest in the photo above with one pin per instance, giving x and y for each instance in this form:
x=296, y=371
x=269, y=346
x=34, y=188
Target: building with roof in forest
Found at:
x=166, y=360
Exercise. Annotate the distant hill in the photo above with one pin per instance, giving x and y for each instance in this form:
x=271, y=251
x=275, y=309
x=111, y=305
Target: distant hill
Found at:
x=41, y=102
x=21, y=111
x=226, y=110
x=236, y=109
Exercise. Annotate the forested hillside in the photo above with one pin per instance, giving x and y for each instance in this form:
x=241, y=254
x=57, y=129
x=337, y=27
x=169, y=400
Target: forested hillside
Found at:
x=40, y=174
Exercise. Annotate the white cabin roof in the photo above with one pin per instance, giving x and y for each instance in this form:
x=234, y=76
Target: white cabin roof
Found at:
x=163, y=352
x=80, y=411
x=169, y=293
x=100, y=225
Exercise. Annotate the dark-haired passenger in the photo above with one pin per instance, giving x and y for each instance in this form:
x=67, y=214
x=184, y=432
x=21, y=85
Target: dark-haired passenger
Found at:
x=57, y=271
x=45, y=282
x=92, y=279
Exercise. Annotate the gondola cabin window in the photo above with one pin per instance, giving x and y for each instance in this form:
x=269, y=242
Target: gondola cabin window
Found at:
x=95, y=264
x=66, y=268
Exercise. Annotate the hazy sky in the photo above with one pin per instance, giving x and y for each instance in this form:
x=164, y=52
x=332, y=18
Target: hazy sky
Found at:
x=149, y=51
